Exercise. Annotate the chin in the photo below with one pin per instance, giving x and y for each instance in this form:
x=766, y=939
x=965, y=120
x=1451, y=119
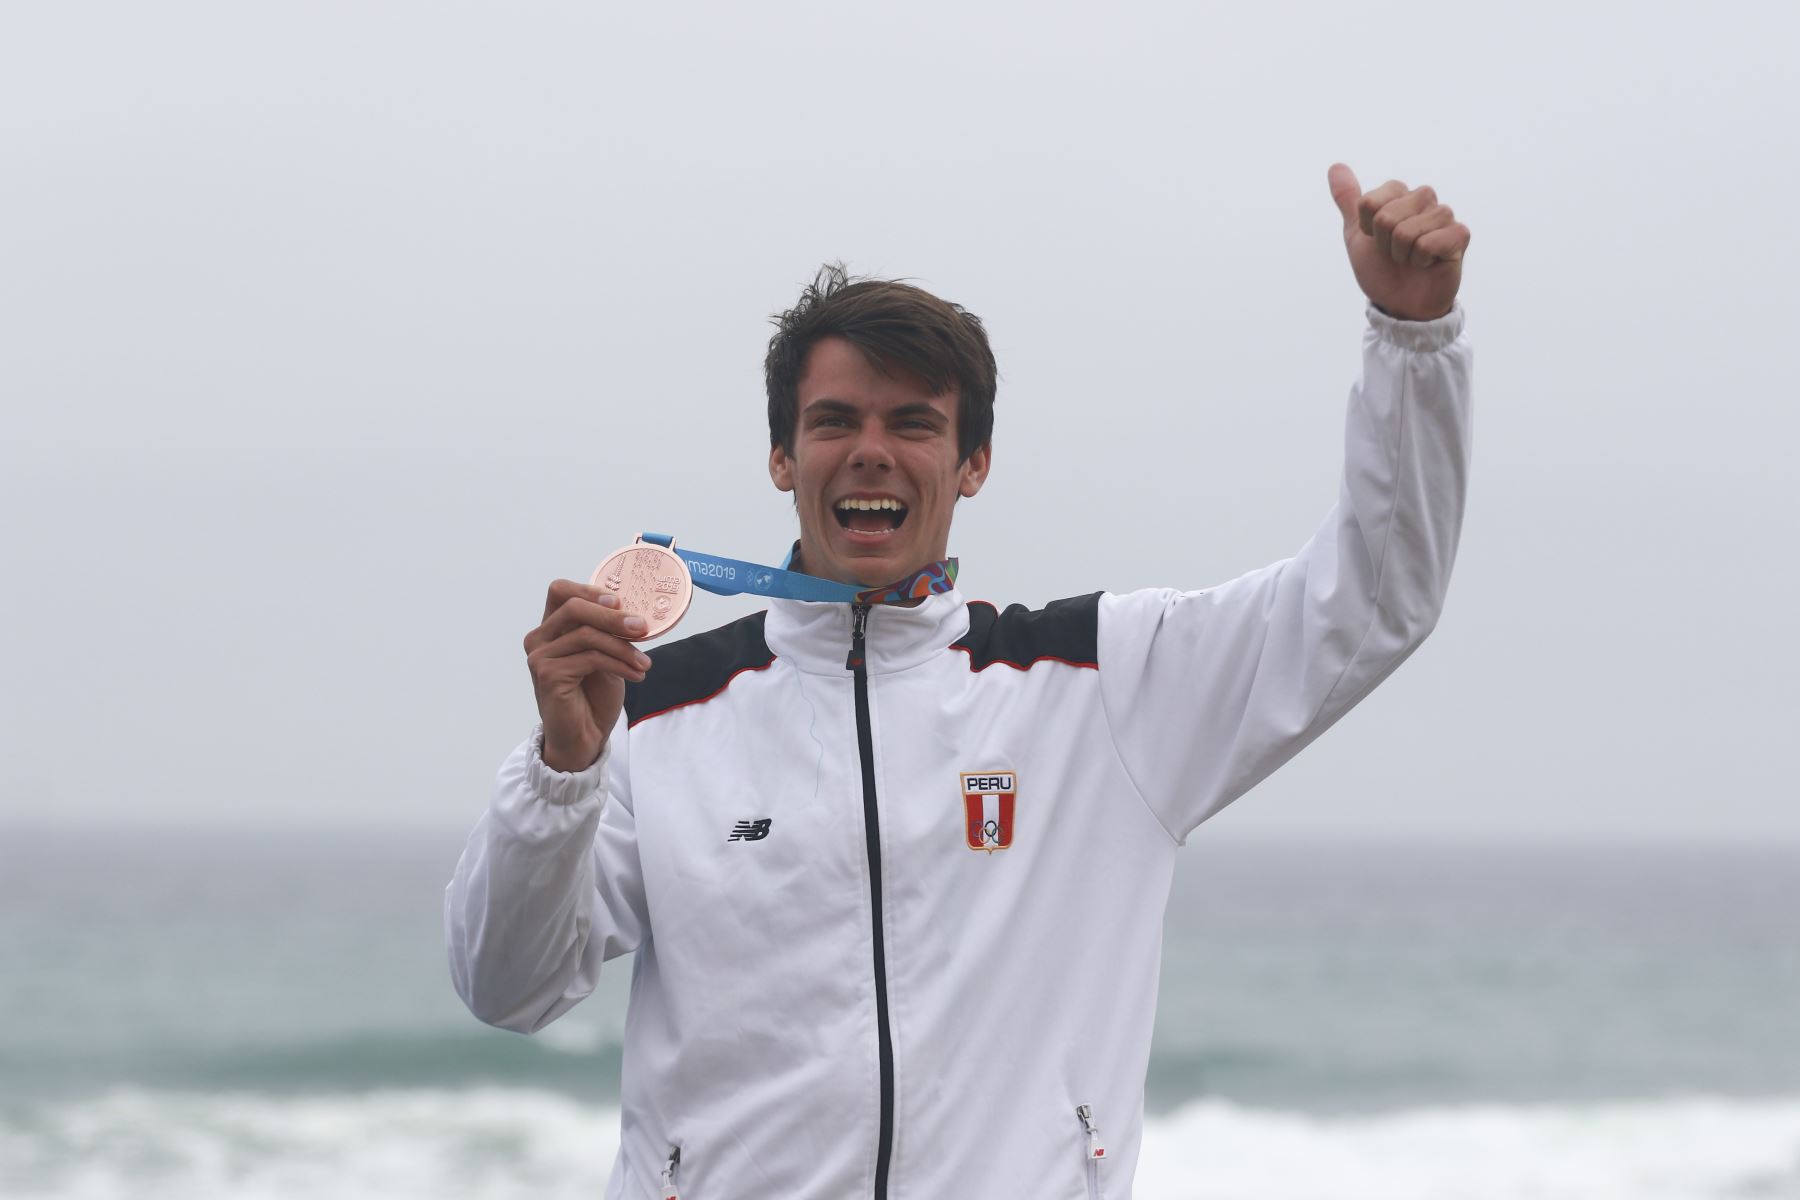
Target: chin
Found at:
x=872, y=572
x=880, y=576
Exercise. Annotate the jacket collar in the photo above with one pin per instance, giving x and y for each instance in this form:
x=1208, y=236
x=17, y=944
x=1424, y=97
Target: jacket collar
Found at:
x=815, y=637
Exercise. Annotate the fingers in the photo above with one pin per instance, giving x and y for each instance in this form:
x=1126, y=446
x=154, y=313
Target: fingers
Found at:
x=584, y=632
x=564, y=590
x=585, y=664
x=1394, y=212
x=586, y=637
x=1404, y=243
x=581, y=652
x=1375, y=201
x=1442, y=245
x=1345, y=192
x=603, y=614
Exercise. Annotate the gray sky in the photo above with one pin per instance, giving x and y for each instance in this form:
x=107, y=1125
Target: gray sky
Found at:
x=333, y=332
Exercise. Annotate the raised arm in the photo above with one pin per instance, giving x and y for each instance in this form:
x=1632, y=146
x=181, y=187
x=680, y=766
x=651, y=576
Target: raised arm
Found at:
x=1208, y=692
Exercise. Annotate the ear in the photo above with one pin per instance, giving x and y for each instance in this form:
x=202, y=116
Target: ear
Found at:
x=781, y=468
x=975, y=470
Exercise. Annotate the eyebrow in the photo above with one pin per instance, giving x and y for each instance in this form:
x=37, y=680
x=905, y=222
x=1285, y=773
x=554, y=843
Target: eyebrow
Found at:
x=916, y=409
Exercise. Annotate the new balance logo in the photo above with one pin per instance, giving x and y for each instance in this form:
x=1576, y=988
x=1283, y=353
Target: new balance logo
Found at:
x=750, y=831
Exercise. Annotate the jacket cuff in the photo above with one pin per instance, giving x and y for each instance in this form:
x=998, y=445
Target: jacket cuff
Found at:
x=562, y=787
x=1418, y=335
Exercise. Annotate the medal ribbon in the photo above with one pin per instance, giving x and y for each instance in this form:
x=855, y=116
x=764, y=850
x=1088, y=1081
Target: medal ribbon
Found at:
x=732, y=577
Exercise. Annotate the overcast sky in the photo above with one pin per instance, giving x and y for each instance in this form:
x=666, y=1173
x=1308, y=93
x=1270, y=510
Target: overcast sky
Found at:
x=330, y=333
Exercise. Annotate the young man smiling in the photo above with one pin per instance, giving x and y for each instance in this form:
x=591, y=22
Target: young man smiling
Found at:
x=877, y=431
x=895, y=872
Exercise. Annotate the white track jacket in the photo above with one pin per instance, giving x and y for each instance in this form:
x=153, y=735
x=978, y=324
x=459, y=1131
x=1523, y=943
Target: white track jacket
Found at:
x=895, y=879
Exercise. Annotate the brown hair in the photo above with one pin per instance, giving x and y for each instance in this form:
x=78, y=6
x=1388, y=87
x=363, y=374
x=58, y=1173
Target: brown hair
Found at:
x=894, y=324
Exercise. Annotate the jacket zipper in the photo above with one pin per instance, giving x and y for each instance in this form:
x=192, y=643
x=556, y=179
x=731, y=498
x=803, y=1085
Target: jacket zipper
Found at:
x=865, y=748
x=668, y=1174
x=1095, y=1151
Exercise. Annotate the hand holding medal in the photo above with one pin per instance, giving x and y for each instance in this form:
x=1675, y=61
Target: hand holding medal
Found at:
x=582, y=656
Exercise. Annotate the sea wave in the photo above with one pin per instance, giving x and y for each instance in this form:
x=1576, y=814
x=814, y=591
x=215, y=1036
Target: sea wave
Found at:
x=495, y=1143
x=579, y=1061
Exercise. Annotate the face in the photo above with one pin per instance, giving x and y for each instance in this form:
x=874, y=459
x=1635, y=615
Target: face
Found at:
x=874, y=470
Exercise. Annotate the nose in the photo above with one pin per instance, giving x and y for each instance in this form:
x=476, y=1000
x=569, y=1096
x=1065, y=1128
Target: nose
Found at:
x=871, y=451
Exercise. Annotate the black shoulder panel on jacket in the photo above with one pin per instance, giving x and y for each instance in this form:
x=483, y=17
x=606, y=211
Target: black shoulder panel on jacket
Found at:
x=698, y=668
x=1065, y=631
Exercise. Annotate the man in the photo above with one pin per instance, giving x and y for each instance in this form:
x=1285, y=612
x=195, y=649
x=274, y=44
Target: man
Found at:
x=895, y=873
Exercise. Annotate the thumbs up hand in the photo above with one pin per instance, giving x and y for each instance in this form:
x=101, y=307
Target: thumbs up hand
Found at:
x=1405, y=248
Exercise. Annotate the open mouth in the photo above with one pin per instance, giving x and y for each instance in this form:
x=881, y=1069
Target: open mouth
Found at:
x=876, y=516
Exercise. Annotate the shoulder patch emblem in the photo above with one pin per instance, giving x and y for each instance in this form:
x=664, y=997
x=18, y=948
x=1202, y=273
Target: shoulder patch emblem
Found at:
x=988, y=798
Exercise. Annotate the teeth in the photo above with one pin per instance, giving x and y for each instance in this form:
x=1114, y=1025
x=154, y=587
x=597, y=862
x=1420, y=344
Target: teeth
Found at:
x=885, y=503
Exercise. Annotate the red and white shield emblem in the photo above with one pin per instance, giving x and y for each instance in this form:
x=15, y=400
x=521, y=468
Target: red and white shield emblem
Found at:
x=988, y=809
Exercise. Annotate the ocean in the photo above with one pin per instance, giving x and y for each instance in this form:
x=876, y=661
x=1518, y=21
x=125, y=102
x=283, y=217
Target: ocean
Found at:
x=201, y=1016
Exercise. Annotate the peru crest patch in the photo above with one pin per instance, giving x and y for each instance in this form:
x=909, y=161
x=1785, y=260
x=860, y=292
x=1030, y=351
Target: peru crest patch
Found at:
x=988, y=809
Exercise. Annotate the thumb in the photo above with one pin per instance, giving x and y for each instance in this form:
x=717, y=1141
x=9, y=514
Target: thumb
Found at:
x=1346, y=192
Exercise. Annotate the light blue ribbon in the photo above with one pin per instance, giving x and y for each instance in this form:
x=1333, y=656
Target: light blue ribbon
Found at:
x=734, y=577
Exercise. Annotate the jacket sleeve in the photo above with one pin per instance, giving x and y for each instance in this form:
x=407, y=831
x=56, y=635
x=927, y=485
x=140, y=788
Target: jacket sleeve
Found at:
x=1208, y=692
x=547, y=889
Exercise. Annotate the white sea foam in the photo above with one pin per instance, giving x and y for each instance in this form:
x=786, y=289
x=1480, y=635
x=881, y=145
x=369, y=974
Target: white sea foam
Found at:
x=486, y=1144
x=472, y=1144
x=1693, y=1149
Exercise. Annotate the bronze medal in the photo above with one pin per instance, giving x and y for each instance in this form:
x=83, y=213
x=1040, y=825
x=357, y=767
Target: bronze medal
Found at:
x=650, y=581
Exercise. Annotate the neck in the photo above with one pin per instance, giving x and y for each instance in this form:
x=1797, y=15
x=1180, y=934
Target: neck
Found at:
x=797, y=562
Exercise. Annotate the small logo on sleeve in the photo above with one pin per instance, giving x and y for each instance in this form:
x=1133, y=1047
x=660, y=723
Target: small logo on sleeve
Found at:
x=988, y=809
x=750, y=831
